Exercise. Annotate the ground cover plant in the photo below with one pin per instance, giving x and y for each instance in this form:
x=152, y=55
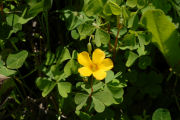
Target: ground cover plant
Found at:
x=89, y=59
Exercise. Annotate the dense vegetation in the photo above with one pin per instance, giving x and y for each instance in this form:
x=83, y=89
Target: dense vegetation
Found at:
x=45, y=43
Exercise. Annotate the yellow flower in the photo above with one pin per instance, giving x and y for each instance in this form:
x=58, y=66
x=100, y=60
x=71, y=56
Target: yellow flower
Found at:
x=97, y=66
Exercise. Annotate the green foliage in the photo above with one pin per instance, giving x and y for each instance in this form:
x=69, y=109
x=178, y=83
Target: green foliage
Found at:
x=161, y=114
x=39, y=45
x=164, y=35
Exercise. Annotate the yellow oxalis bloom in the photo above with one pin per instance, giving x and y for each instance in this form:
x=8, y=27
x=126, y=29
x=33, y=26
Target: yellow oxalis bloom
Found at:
x=97, y=66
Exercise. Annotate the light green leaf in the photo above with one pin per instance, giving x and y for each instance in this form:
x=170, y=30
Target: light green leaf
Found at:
x=98, y=105
x=109, y=76
x=15, y=61
x=65, y=55
x=85, y=30
x=115, y=8
x=161, y=114
x=80, y=99
x=12, y=19
x=131, y=58
x=94, y=7
x=105, y=97
x=49, y=87
x=7, y=72
x=71, y=67
x=101, y=37
x=116, y=91
x=164, y=36
x=131, y=3
x=64, y=88
x=133, y=21
x=74, y=34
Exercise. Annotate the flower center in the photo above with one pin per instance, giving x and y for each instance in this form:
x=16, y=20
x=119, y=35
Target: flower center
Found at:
x=94, y=67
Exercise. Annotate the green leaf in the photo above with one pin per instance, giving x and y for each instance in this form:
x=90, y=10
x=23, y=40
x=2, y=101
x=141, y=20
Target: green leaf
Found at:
x=48, y=88
x=35, y=9
x=115, y=8
x=64, y=88
x=7, y=72
x=65, y=55
x=98, y=105
x=133, y=21
x=12, y=19
x=141, y=3
x=131, y=3
x=94, y=7
x=116, y=91
x=15, y=61
x=101, y=37
x=85, y=30
x=74, y=34
x=128, y=42
x=164, y=36
x=109, y=76
x=80, y=99
x=161, y=114
x=131, y=58
x=105, y=97
x=83, y=115
x=71, y=67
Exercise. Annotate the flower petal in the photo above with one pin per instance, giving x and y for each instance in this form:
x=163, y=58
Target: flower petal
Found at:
x=99, y=75
x=98, y=56
x=85, y=71
x=106, y=64
x=84, y=59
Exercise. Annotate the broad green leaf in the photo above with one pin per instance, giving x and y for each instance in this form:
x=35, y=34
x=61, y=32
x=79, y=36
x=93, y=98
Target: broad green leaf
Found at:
x=161, y=114
x=71, y=67
x=12, y=19
x=96, y=87
x=65, y=55
x=131, y=58
x=85, y=30
x=164, y=36
x=107, y=9
x=64, y=88
x=131, y=3
x=101, y=37
x=7, y=72
x=115, y=8
x=133, y=21
x=94, y=7
x=48, y=88
x=35, y=9
x=80, y=99
x=116, y=91
x=105, y=97
x=109, y=76
x=42, y=82
x=15, y=61
x=141, y=3
x=74, y=34
x=98, y=105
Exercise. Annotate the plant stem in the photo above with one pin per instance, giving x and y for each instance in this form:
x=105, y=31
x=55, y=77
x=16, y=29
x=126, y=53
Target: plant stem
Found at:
x=116, y=41
x=90, y=95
